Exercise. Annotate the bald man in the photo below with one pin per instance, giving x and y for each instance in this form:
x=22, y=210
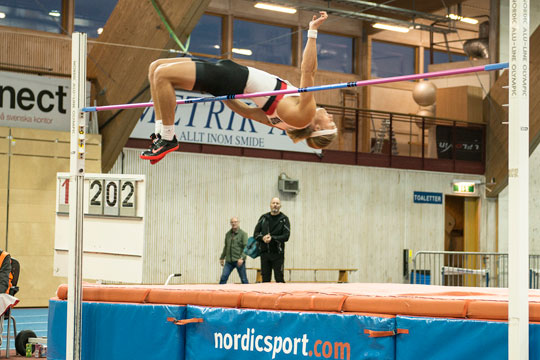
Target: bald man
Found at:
x=272, y=232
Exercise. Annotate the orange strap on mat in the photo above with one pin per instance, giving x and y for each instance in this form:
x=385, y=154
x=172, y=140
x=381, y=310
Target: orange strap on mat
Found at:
x=375, y=333
x=184, y=321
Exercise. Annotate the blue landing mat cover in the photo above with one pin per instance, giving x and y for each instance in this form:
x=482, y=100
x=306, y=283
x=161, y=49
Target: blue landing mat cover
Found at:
x=450, y=339
x=119, y=331
x=137, y=331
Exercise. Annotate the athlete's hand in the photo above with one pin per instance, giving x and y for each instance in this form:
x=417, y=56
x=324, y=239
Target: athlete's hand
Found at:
x=317, y=21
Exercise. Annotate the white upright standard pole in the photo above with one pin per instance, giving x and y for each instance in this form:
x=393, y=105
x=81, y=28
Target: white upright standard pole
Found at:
x=518, y=181
x=76, y=192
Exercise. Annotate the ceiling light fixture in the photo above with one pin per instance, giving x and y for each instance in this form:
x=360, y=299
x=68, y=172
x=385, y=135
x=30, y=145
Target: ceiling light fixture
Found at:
x=54, y=13
x=272, y=7
x=396, y=28
x=245, y=52
x=2, y=15
x=462, y=19
x=99, y=31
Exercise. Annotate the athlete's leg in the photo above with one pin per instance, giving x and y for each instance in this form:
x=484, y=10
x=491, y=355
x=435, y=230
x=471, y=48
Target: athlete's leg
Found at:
x=167, y=77
x=151, y=74
x=164, y=78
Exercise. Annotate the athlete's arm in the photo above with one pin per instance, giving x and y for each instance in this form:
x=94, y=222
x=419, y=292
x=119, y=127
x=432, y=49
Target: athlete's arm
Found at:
x=247, y=111
x=309, y=63
x=301, y=114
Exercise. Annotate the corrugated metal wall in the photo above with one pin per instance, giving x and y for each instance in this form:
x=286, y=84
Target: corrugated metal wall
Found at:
x=343, y=217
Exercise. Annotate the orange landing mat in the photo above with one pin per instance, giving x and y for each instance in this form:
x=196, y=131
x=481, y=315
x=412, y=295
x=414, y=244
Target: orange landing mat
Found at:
x=388, y=299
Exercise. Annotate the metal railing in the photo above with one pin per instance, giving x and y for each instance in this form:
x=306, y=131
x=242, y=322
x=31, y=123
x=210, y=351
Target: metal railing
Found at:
x=397, y=134
x=476, y=269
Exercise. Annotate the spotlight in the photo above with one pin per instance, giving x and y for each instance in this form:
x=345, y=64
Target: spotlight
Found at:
x=273, y=7
x=396, y=28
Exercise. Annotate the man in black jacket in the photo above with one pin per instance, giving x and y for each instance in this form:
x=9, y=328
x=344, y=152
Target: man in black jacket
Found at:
x=271, y=232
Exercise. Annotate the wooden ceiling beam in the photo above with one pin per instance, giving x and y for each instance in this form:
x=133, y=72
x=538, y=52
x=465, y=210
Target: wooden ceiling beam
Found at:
x=495, y=114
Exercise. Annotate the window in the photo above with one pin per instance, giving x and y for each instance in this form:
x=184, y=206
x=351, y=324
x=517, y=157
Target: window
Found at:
x=334, y=52
x=391, y=59
x=440, y=57
x=262, y=42
x=44, y=15
x=91, y=16
x=206, y=36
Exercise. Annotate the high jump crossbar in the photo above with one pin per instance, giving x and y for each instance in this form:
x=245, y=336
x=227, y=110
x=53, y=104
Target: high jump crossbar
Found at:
x=489, y=67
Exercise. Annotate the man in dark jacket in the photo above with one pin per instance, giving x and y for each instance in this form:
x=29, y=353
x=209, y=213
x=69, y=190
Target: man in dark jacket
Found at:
x=271, y=232
x=233, y=255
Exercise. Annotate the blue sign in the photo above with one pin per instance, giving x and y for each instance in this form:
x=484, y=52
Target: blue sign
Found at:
x=421, y=197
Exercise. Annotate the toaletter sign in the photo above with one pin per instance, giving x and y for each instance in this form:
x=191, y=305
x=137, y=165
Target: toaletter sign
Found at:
x=33, y=101
x=214, y=123
x=422, y=197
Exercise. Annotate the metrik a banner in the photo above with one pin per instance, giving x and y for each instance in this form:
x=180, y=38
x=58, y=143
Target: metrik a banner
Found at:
x=213, y=123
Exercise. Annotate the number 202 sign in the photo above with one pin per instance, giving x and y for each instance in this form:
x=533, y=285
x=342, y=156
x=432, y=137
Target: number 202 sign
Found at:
x=107, y=196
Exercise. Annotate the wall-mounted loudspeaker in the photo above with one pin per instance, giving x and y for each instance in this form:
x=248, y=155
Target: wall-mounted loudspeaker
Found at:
x=287, y=185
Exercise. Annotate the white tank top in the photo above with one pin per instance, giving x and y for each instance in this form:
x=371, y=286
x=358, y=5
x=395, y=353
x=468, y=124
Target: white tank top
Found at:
x=259, y=81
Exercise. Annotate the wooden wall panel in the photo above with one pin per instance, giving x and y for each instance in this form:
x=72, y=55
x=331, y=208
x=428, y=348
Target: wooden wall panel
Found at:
x=121, y=72
x=460, y=103
x=37, y=155
x=54, y=144
x=32, y=51
x=497, y=135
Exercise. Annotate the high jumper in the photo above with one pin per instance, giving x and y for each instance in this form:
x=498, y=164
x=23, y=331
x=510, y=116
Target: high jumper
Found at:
x=296, y=113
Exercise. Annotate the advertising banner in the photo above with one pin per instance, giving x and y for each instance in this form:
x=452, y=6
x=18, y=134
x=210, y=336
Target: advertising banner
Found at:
x=468, y=143
x=260, y=334
x=213, y=123
x=34, y=101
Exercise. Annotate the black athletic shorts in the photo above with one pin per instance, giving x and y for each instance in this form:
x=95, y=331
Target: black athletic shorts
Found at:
x=222, y=78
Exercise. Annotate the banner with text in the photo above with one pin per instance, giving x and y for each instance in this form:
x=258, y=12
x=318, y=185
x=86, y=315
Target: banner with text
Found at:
x=245, y=334
x=214, y=123
x=33, y=101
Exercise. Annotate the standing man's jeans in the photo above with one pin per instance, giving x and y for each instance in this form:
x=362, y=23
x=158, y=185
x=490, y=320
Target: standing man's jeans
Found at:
x=269, y=262
x=228, y=267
